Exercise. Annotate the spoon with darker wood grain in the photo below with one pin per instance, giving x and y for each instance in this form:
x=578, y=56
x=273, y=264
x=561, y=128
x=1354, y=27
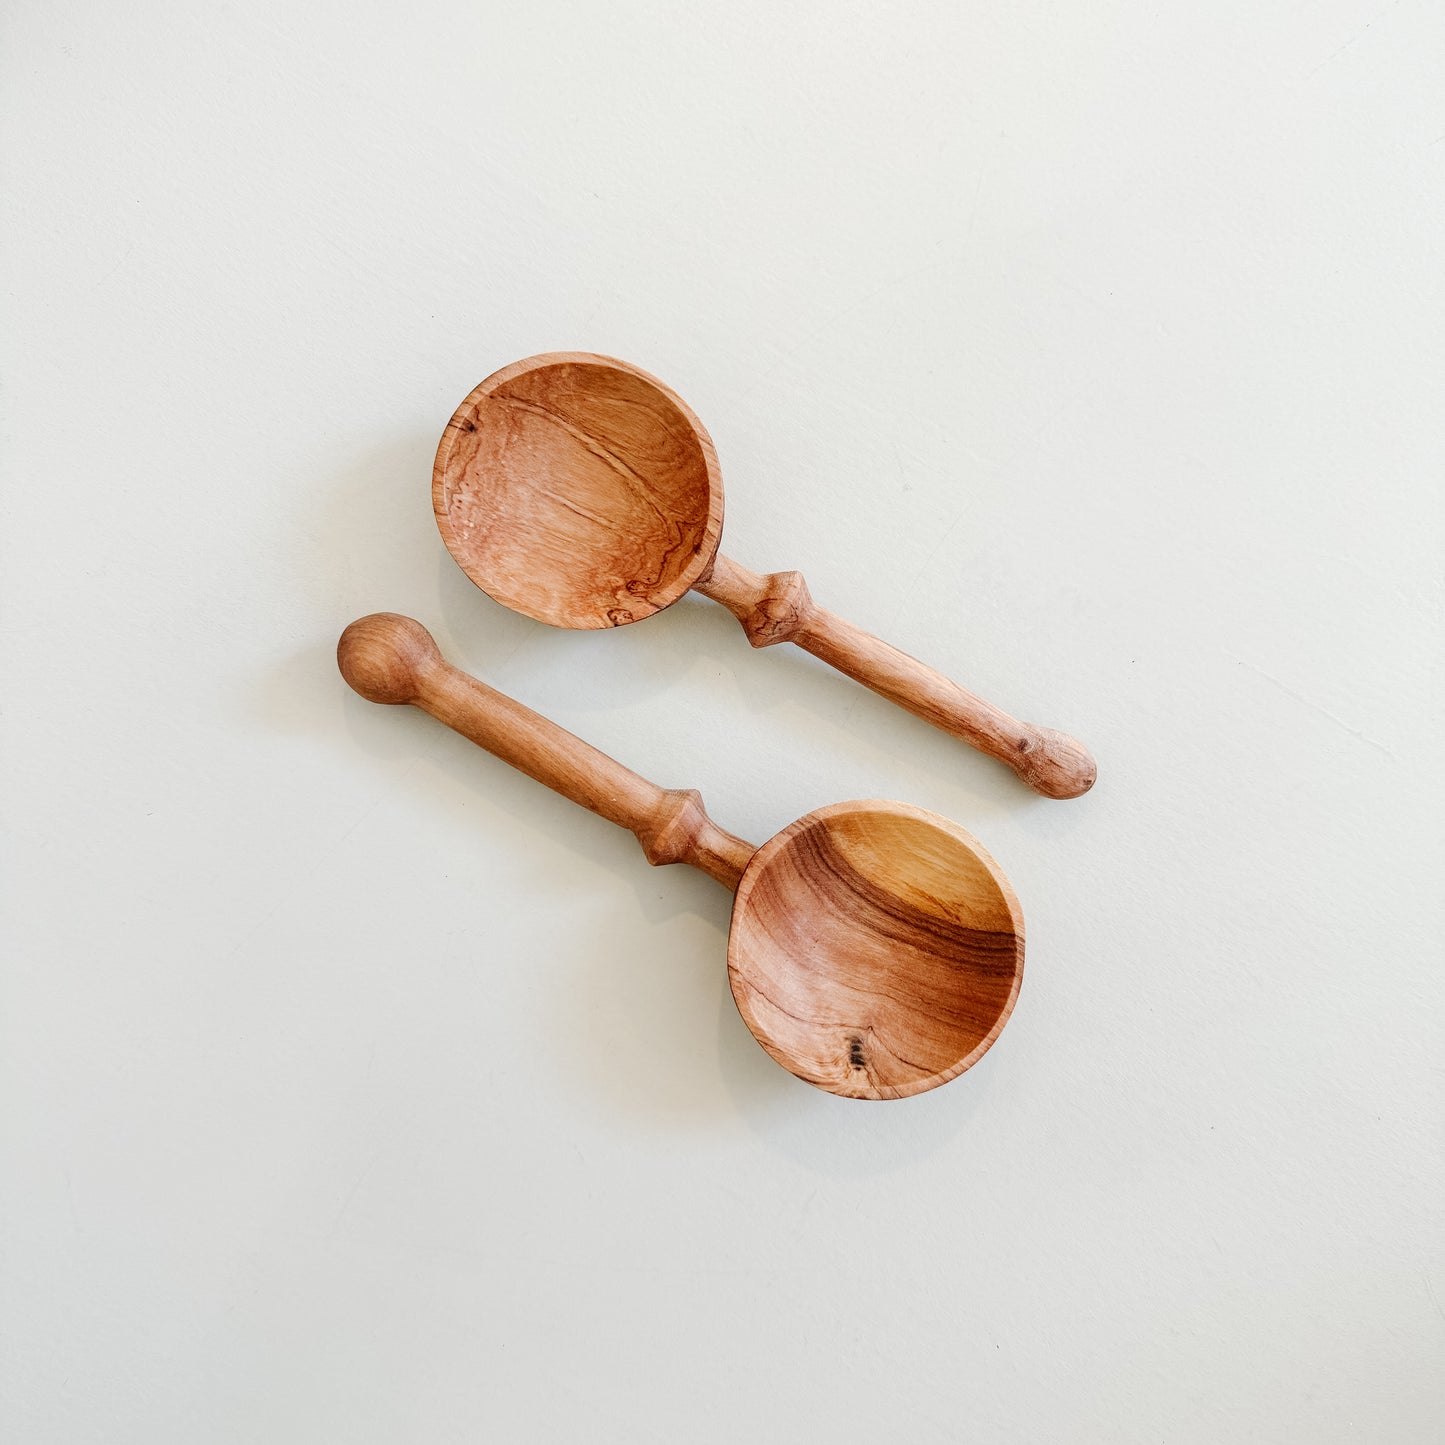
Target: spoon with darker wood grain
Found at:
x=875, y=951
x=581, y=491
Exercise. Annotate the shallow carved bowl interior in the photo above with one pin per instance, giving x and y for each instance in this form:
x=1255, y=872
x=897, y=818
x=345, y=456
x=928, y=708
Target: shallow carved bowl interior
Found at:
x=876, y=950
x=578, y=490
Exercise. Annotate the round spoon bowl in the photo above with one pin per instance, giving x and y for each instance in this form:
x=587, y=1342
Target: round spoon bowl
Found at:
x=578, y=490
x=876, y=949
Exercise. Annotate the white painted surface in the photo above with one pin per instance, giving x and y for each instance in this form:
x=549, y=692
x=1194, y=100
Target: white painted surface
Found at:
x=355, y=1089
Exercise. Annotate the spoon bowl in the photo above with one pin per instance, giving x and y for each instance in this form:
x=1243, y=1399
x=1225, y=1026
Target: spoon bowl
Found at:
x=876, y=950
x=578, y=490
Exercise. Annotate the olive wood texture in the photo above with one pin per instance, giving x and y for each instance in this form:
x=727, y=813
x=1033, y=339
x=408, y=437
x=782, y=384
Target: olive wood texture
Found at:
x=876, y=950
x=581, y=491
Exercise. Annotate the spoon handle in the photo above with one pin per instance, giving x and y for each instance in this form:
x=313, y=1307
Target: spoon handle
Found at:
x=391, y=659
x=777, y=608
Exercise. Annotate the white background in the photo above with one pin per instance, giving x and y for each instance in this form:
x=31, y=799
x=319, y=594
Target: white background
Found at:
x=356, y=1089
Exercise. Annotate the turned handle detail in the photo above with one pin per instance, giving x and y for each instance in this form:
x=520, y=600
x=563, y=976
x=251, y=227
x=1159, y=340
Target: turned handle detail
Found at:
x=392, y=659
x=778, y=608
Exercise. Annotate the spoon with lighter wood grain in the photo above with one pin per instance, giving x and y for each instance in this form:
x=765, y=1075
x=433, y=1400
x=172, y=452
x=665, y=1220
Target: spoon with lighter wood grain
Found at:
x=581, y=491
x=876, y=950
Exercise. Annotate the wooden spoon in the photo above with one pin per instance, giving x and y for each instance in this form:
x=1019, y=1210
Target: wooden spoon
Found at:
x=876, y=950
x=583, y=492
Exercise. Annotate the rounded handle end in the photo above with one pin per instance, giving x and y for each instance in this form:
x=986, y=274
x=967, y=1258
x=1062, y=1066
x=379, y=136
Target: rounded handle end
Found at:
x=1054, y=764
x=384, y=656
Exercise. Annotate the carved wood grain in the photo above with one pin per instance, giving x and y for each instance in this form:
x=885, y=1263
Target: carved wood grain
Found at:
x=585, y=495
x=876, y=950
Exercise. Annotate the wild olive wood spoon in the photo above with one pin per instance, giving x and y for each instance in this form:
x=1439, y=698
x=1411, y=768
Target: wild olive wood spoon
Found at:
x=581, y=491
x=876, y=950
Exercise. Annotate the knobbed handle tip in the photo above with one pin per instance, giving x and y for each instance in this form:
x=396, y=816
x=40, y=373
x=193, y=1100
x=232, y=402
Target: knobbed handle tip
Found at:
x=384, y=656
x=1054, y=764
